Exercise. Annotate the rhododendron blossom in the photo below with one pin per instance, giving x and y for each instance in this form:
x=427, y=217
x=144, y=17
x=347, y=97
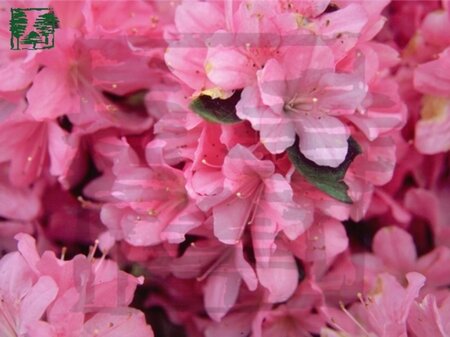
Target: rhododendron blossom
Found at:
x=226, y=168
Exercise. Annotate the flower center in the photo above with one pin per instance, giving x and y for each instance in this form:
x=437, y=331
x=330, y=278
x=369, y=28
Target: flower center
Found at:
x=304, y=105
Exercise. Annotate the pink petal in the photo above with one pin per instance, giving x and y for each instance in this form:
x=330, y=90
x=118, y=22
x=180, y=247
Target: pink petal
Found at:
x=280, y=277
x=141, y=230
x=425, y=320
x=36, y=301
x=243, y=267
x=124, y=322
x=61, y=148
x=221, y=291
x=433, y=132
x=62, y=100
x=42, y=329
x=191, y=217
x=228, y=230
x=198, y=17
x=395, y=247
x=228, y=68
x=272, y=86
x=324, y=141
x=187, y=64
x=27, y=247
x=292, y=218
x=19, y=76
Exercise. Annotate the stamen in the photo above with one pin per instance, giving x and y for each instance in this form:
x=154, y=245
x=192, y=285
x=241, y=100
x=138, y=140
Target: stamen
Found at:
x=337, y=326
x=92, y=250
x=63, y=253
x=255, y=203
x=215, y=264
x=366, y=304
x=88, y=204
x=100, y=261
x=204, y=162
x=361, y=299
x=152, y=212
x=352, y=318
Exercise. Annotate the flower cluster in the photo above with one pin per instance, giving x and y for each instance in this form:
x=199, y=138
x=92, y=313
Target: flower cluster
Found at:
x=258, y=168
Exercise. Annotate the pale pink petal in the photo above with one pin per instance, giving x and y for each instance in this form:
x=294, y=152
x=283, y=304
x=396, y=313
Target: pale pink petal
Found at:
x=228, y=68
x=243, y=267
x=37, y=300
x=293, y=219
x=190, y=218
x=277, y=133
x=324, y=141
x=123, y=322
x=61, y=148
x=141, y=230
x=27, y=247
x=198, y=17
x=187, y=64
x=429, y=77
x=341, y=93
x=272, y=86
x=221, y=291
x=229, y=229
x=425, y=320
x=280, y=277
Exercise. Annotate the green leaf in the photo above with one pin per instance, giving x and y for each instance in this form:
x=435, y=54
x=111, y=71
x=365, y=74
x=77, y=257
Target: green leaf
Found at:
x=217, y=110
x=325, y=178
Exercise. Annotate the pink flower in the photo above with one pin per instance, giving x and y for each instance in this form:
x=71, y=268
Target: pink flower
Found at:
x=430, y=316
x=81, y=292
x=223, y=267
x=432, y=206
x=295, y=317
x=395, y=247
x=432, y=130
x=25, y=296
x=149, y=204
x=320, y=244
x=307, y=102
x=256, y=195
x=31, y=146
x=384, y=313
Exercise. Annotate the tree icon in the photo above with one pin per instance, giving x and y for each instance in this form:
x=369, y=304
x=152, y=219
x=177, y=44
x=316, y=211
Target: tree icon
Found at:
x=32, y=38
x=18, y=24
x=45, y=24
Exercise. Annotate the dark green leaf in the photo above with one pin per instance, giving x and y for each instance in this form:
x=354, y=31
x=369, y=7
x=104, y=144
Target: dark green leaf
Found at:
x=216, y=110
x=325, y=178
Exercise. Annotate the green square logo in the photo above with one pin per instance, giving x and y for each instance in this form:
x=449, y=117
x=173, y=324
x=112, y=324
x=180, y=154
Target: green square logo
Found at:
x=33, y=28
